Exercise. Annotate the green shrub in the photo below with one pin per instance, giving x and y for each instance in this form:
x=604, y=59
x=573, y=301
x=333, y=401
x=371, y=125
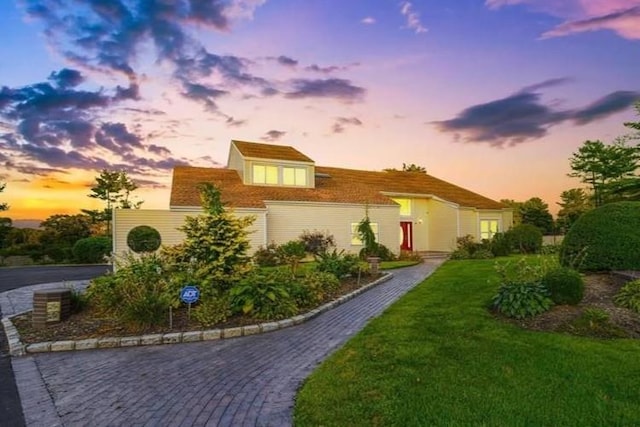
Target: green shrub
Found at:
x=291, y=253
x=460, y=254
x=58, y=253
x=520, y=300
x=212, y=310
x=92, y=250
x=264, y=295
x=337, y=263
x=314, y=288
x=604, y=239
x=482, y=253
x=525, y=238
x=629, y=296
x=565, y=285
x=317, y=242
x=594, y=322
x=501, y=244
x=267, y=256
x=143, y=239
x=468, y=248
x=550, y=249
x=79, y=300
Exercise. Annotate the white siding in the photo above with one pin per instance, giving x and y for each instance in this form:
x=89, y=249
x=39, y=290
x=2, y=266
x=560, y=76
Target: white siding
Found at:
x=167, y=223
x=287, y=220
x=236, y=162
x=469, y=223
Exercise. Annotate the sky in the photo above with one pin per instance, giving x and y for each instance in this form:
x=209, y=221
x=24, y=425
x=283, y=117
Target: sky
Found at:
x=491, y=95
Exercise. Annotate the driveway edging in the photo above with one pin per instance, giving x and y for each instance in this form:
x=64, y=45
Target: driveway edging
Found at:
x=17, y=348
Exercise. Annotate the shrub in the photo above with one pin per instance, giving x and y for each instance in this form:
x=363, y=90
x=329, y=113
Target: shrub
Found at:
x=291, y=253
x=314, y=288
x=59, y=253
x=468, y=248
x=143, y=239
x=212, y=310
x=501, y=244
x=594, y=322
x=317, y=242
x=92, y=250
x=79, y=300
x=264, y=295
x=409, y=256
x=267, y=256
x=629, y=296
x=526, y=238
x=482, y=253
x=606, y=238
x=565, y=285
x=520, y=300
x=337, y=263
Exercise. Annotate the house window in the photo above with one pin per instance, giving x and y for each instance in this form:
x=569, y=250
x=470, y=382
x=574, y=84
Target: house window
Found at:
x=405, y=206
x=488, y=227
x=355, y=239
x=294, y=176
x=264, y=174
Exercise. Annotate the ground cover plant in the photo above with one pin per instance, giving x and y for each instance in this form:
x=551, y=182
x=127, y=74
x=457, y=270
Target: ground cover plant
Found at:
x=439, y=356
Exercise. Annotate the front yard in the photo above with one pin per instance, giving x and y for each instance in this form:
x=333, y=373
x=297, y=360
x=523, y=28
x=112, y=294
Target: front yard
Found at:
x=440, y=357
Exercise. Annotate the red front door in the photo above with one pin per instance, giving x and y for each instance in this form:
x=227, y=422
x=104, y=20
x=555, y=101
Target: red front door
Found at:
x=407, y=235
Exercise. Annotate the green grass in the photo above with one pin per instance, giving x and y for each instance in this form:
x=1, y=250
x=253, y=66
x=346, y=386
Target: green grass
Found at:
x=391, y=265
x=438, y=357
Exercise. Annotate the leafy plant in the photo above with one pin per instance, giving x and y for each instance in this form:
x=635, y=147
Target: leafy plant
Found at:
x=267, y=256
x=501, y=244
x=213, y=309
x=629, y=296
x=317, y=242
x=565, y=285
x=291, y=253
x=524, y=299
x=594, y=322
x=314, y=288
x=482, y=253
x=339, y=264
x=526, y=238
x=92, y=250
x=143, y=238
x=264, y=295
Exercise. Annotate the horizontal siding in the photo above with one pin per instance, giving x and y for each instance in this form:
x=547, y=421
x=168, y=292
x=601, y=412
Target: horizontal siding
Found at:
x=287, y=221
x=469, y=224
x=443, y=226
x=167, y=223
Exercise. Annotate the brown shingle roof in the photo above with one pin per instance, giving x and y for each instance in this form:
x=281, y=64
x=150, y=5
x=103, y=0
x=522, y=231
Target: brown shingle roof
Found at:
x=341, y=186
x=270, y=152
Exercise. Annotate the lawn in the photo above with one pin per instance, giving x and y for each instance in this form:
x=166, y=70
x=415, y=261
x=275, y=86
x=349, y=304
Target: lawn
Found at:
x=438, y=357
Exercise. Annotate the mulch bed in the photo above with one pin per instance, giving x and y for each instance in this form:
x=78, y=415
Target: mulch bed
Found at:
x=599, y=292
x=89, y=324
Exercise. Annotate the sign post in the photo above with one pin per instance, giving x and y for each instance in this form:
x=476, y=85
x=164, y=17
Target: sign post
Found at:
x=188, y=295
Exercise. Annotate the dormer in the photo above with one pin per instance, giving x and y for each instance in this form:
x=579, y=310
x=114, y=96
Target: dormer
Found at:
x=271, y=165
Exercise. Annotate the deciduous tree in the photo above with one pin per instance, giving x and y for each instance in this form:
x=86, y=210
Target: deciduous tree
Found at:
x=536, y=212
x=574, y=203
x=3, y=206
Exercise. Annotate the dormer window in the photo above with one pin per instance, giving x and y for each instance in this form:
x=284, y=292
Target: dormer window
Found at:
x=294, y=176
x=265, y=174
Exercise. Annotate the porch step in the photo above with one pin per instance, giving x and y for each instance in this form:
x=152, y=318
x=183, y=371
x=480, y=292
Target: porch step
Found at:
x=434, y=254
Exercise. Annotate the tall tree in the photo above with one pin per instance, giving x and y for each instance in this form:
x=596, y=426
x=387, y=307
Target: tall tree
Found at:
x=601, y=166
x=574, y=203
x=411, y=167
x=114, y=188
x=65, y=230
x=3, y=206
x=536, y=212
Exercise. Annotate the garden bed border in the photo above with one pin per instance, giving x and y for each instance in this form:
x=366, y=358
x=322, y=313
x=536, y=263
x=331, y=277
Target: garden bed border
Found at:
x=17, y=348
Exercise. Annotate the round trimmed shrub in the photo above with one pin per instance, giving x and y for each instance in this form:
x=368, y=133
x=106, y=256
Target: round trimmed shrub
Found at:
x=565, y=285
x=526, y=238
x=92, y=250
x=143, y=239
x=604, y=239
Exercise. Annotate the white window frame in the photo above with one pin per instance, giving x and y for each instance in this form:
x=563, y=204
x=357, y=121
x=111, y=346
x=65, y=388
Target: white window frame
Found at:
x=490, y=231
x=299, y=176
x=265, y=174
x=355, y=239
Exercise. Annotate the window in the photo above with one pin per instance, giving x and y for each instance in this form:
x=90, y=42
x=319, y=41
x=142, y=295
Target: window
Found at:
x=355, y=239
x=405, y=206
x=263, y=174
x=488, y=227
x=294, y=176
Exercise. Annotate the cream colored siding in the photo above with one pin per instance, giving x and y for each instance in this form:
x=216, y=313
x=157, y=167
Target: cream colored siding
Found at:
x=468, y=223
x=287, y=220
x=443, y=226
x=420, y=215
x=507, y=219
x=236, y=162
x=168, y=222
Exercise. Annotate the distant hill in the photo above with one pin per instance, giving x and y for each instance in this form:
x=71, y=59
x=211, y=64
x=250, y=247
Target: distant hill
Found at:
x=26, y=223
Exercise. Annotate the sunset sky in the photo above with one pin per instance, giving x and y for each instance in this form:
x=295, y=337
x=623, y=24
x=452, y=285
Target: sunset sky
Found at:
x=492, y=95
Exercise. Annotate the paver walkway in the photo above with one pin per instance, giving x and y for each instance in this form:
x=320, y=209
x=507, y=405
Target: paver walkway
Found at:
x=247, y=381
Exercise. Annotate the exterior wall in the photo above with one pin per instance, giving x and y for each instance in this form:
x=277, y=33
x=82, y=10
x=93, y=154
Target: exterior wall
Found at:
x=469, y=223
x=167, y=223
x=236, y=161
x=443, y=225
x=420, y=215
x=287, y=220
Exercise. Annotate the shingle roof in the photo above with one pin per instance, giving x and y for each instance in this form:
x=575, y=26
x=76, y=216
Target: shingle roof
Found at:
x=337, y=186
x=270, y=151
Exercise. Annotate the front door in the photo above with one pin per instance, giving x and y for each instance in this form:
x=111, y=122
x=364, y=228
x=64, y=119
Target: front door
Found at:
x=407, y=235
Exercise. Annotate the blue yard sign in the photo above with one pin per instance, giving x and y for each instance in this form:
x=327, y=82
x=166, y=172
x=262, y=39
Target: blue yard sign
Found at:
x=189, y=294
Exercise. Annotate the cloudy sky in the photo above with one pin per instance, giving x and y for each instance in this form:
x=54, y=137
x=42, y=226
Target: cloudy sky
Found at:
x=492, y=95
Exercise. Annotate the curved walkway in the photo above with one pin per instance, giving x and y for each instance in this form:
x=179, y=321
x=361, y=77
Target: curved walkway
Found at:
x=248, y=381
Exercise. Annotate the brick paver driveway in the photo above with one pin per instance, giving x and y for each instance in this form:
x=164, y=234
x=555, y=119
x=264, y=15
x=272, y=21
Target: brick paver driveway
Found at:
x=244, y=381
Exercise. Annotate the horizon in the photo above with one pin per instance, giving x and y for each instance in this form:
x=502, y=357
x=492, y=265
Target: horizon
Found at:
x=491, y=95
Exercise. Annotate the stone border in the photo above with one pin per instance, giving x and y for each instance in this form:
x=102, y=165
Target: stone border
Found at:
x=17, y=348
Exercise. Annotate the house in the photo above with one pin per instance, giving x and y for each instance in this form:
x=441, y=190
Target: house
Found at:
x=287, y=193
